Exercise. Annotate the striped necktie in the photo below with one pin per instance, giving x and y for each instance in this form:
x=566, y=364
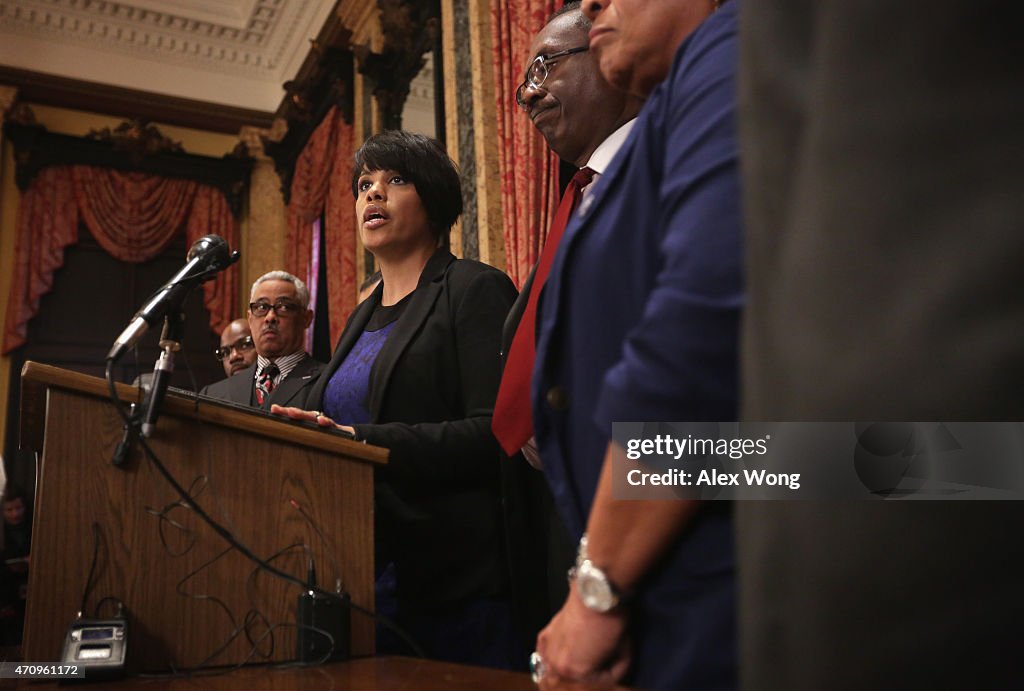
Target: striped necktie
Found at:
x=265, y=383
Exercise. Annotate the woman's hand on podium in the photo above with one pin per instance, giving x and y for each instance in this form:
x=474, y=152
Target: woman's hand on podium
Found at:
x=309, y=415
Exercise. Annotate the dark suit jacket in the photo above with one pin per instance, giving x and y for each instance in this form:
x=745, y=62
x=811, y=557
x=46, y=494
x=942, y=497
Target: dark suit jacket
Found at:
x=515, y=315
x=291, y=391
x=540, y=549
x=639, y=321
x=432, y=391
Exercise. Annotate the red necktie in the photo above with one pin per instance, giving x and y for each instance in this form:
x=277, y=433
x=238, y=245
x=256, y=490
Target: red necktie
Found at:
x=265, y=384
x=512, y=423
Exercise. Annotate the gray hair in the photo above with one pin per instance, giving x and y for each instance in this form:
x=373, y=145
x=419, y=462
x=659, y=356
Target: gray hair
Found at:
x=301, y=292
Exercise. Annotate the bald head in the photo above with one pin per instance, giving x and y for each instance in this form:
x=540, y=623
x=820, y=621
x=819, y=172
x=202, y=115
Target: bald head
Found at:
x=236, y=343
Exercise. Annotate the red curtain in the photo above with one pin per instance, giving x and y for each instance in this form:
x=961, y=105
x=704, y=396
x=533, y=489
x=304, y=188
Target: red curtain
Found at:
x=529, y=171
x=47, y=223
x=211, y=214
x=322, y=184
x=133, y=216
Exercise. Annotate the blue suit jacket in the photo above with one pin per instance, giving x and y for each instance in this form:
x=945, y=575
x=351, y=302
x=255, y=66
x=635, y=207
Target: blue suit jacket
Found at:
x=639, y=321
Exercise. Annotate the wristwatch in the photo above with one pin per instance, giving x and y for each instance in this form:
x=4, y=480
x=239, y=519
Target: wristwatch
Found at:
x=595, y=590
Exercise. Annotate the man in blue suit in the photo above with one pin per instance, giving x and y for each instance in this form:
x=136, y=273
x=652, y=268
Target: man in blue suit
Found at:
x=639, y=321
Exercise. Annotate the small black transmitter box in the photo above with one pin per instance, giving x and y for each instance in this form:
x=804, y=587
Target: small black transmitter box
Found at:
x=319, y=614
x=97, y=646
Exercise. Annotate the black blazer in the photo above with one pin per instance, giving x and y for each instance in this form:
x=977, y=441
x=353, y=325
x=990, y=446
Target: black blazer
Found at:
x=293, y=390
x=431, y=395
x=515, y=315
x=539, y=547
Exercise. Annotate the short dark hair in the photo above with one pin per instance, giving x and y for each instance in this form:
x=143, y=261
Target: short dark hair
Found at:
x=12, y=492
x=424, y=163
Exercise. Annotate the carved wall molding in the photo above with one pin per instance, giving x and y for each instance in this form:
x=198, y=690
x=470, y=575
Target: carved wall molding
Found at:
x=20, y=113
x=362, y=18
x=36, y=148
x=137, y=139
x=254, y=139
x=324, y=82
x=410, y=29
x=253, y=44
x=386, y=41
x=8, y=94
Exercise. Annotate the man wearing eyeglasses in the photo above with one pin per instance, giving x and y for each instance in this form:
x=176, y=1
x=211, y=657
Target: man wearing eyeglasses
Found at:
x=237, y=349
x=639, y=321
x=584, y=121
x=278, y=317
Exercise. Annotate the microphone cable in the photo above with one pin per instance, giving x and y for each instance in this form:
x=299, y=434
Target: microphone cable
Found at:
x=233, y=541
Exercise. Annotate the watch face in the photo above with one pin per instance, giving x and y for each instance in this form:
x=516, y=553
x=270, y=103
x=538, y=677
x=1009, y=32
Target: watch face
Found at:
x=595, y=591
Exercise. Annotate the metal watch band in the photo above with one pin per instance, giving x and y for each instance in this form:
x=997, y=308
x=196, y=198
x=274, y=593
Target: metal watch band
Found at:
x=596, y=591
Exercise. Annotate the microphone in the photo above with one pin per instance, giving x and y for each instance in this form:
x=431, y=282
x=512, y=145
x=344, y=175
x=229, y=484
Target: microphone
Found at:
x=208, y=255
x=162, y=372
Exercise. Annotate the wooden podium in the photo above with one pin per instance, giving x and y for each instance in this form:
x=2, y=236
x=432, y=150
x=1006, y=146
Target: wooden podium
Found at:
x=286, y=491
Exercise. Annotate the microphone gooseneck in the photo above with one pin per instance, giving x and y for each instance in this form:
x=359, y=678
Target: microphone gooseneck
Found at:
x=208, y=255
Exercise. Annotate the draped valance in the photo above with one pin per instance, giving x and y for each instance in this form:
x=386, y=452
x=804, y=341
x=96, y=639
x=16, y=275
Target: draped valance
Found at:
x=132, y=210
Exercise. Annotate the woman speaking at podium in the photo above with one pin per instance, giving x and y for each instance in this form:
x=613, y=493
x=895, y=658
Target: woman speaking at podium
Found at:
x=416, y=371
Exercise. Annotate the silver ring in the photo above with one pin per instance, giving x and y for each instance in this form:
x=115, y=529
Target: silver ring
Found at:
x=317, y=414
x=536, y=667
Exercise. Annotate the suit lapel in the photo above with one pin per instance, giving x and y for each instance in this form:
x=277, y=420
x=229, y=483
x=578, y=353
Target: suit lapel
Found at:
x=420, y=306
x=296, y=380
x=548, y=323
x=240, y=386
x=591, y=204
x=580, y=223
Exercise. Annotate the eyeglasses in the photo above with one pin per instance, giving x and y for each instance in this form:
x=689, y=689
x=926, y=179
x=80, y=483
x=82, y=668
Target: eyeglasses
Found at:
x=538, y=72
x=242, y=345
x=282, y=308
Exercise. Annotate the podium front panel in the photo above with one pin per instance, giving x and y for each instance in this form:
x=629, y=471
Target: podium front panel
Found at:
x=190, y=598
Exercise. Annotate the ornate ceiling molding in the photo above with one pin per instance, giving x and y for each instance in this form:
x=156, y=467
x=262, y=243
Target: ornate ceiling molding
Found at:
x=259, y=41
x=255, y=47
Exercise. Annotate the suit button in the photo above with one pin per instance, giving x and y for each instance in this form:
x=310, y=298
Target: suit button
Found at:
x=557, y=398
